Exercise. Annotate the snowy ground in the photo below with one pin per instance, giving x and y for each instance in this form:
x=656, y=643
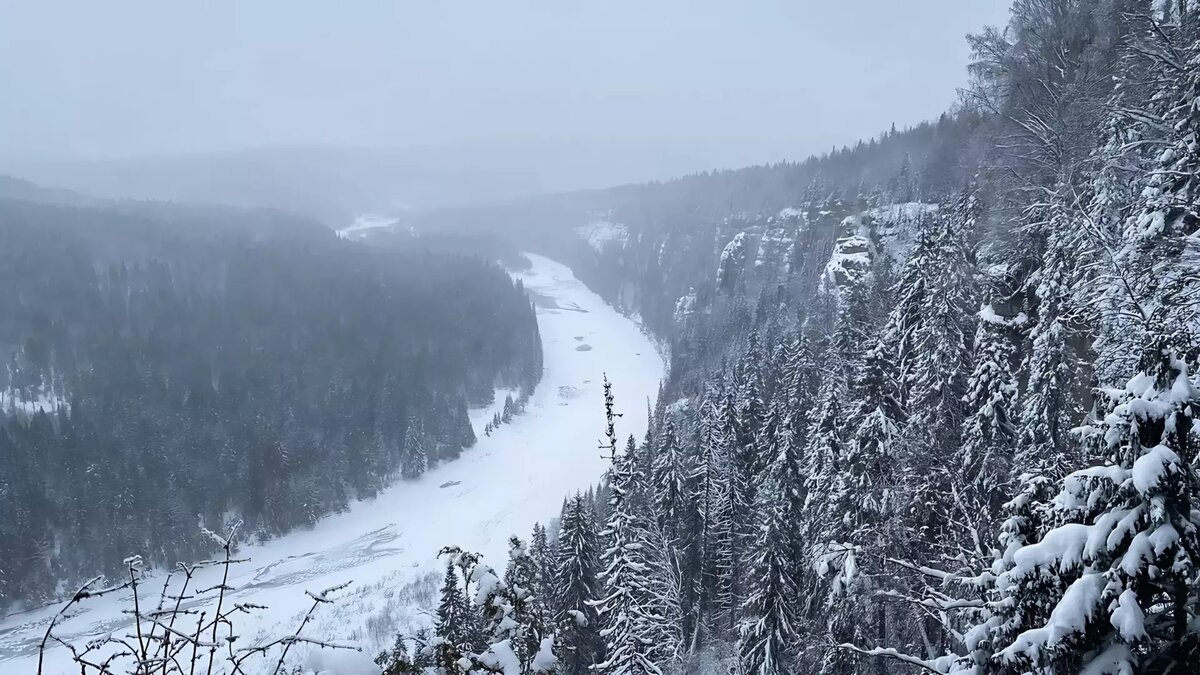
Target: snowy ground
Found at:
x=387, y=546
x=364, y=224
x=12, y=402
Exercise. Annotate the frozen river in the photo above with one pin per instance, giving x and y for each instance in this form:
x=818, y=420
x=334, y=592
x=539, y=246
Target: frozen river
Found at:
x=387, y=546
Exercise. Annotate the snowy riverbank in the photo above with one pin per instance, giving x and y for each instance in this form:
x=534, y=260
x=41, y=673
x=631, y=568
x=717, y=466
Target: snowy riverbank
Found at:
x=387, y=546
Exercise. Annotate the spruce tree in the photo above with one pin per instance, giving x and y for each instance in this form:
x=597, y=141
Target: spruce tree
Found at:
x=825, y=449
x=938, y=372
x=457, y=624
x=509, y=410
x=636, y=633
x=671, y=475
x=1050, y=404
x=545, y=563
x=576, y=587
x=988, y=430
x=770, y=627
x=709, y=485
x=415, y=458
x=1108, y=584
x=527, y=610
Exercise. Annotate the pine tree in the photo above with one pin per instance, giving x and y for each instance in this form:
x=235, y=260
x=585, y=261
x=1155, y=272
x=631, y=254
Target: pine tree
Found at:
x=903, y=185
x=671, y=476
x=415, y=458
x=577, y=586
x=913, y=290
x=457, y=624
x=870, y=477
x=622, y=607
x=1050, y=400
x=396, y=661
x=636, y=633
x=747, y=461
x=938, y=378
x=526, y=608
x=801, y=380
x=854, y=325
x=988, y=431
x=825, y=447
x=770, y=629
x=512, y=628
x=1108, y=585
x=724, y=551
x=545, y=563
x=709, y=485
x=859, y=523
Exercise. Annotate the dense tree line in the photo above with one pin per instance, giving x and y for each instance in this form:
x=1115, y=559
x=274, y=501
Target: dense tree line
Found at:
x=922, y=414
x=164, y=365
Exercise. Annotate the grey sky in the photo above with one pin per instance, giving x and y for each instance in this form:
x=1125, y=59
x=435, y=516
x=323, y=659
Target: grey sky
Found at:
x=734, y=82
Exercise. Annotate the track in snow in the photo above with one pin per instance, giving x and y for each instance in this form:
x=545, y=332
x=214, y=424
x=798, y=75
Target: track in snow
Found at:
x=388, y=545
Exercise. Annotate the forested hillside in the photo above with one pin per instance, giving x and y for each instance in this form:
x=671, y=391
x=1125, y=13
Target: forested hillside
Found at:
x=931, y=398
x=168, y=367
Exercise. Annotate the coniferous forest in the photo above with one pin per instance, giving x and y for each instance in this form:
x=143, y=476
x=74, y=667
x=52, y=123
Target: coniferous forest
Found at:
x=931, y=397
x=170, y=367
x=929, y=403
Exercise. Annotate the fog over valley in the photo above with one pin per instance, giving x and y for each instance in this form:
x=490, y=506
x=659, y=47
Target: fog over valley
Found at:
x=578, y=338
x=454, y=102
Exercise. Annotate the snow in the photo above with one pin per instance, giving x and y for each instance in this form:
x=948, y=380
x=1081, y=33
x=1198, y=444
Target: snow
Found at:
x=775, y=249
x=545, y=660
x=1182, y=391
x=388, y=546
x=988, y=314
x=363, y=224
x=1070, y=616
x=734, y=248
x=894, y=224
x=685, y=306
x=600, y=233
x=1062, y=549
x=1153, y=466
x=1114, y=660
x=679, y=407
x=340, y=662
x=501, y=658
x=13, y=402
x=1128, y=618
x=901, y=211
x=851, y=257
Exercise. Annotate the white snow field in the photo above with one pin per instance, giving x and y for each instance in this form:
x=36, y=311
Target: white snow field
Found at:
x=364, y=224
x=388, y=545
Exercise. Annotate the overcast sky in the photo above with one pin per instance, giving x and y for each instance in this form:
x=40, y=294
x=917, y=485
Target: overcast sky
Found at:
x=735, y=82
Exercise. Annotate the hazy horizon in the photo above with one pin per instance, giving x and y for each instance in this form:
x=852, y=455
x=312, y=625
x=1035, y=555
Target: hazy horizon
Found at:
x=685, y=87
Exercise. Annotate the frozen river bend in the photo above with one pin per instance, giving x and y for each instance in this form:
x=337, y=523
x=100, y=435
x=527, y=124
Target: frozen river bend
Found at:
x=387, y=546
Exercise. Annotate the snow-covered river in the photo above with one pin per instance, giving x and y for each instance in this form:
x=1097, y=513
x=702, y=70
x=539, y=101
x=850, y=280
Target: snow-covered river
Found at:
x=387, y=546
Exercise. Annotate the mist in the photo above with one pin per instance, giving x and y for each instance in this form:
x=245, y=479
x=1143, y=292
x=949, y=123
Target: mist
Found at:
x=482, y=100
x=628, y=338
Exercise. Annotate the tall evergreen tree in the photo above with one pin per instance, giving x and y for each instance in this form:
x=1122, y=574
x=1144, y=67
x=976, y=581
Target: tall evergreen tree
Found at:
x=577, y=586
x=771, y=622
x=1108, y=584
x=637, y=635
x=988, y=431
x=938, y=379
x=709, y=485
x=457, y=624
x=671, y=479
